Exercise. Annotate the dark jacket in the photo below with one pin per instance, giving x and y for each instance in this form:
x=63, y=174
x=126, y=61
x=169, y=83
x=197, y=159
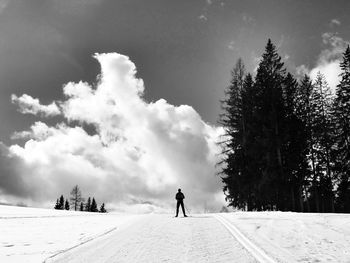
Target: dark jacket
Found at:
x=179, y=196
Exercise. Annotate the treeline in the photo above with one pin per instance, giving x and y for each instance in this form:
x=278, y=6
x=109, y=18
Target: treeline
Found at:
x=77, y=203
x=287, y=142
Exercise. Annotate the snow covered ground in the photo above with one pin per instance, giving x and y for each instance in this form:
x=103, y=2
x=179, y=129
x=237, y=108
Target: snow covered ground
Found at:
x=37, y=235
x=297, y=237
x=34, y=234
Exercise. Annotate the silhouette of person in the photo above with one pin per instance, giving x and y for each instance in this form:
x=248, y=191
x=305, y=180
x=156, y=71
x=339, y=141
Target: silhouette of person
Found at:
x=180, y=201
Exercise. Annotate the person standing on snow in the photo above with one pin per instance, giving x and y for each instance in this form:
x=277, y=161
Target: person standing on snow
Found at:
x=180, y=201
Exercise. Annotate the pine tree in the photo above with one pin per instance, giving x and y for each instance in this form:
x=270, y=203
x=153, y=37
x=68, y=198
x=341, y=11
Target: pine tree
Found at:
x=294, y=147
x=57, y=205
x=88, y=205
x=322, y=129
x=232, y=121
x=66, y=205
x=102, y=208
x=61, y=206
x=81, y=206
x=304, y=112
x=76, y=197
x=342, y=137
x=93, y=207
x=270, y=117
x=250, y=149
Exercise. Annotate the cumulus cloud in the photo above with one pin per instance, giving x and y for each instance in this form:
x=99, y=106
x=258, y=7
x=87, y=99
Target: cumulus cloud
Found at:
x=328, y=60
x=139, y=154
x=28, y=104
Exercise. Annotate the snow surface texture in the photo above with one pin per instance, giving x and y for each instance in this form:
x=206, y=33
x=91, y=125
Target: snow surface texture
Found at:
x=33, y=234
x=297, y=237
x=41, y=235
x=163, y=238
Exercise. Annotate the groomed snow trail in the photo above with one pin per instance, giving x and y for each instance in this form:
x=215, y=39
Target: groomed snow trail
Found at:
x=161, y=238
x=257, y=252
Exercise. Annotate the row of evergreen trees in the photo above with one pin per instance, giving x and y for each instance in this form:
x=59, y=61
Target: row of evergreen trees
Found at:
x=287, y=143
x=77, y=201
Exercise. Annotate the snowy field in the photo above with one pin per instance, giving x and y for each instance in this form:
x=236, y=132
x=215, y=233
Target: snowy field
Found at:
x=34, y=234
x=297, y=237
x=38, y=235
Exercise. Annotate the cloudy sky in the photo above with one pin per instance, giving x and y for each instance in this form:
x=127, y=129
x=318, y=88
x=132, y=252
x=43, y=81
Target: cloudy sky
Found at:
x=122, y=97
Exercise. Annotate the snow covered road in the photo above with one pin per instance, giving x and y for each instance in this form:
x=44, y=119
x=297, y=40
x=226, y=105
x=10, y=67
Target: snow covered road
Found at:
x=161, y=238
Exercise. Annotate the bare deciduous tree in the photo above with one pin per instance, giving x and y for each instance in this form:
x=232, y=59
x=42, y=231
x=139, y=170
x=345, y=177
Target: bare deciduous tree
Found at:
x=76, y=197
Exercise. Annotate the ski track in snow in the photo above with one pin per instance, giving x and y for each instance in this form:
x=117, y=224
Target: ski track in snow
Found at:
x=32, y=234
x=256, y=252
x=297, y=237
x=161, y=238
x=82, y=243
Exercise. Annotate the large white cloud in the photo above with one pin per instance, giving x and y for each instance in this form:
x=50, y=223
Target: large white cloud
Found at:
x=135, y=152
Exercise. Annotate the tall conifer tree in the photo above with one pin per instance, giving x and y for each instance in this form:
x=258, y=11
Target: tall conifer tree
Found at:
x=342, y=116
x=304, y=113
x=322, y=132
x=271, y=120
x=232, y=121
x=294, y=147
